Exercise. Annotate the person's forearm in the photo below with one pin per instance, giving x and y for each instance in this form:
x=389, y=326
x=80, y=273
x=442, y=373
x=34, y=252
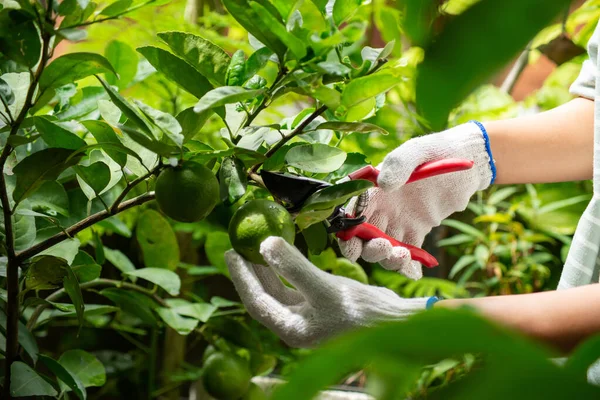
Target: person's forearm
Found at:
x=553, y=146
x=561, y=318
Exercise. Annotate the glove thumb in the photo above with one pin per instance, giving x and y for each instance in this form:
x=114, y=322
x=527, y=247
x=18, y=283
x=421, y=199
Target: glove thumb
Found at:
x=398, y=165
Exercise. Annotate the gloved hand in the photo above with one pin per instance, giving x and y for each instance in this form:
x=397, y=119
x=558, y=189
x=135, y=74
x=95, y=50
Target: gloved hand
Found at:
x=409, y=212
x=320, y=306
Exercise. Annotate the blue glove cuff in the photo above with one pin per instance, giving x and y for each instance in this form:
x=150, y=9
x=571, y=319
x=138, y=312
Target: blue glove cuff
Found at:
x=431, y=301
x=486, y=139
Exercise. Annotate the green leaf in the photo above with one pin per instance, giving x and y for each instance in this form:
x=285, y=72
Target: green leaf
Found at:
x=86, y=107
x=167, y=124
x=72, y=288
x=19, y=39
x=456, y=240
x=96, y=176
x=168, y=280
x=45, y=272
x=217, y=243
x=6, y=93
x=464, y=228
x=26, y=382
x=67, y=250
x=183, y=326
x=134, y=303
x=220, y=302
x=176, y=70
x=247, y=17
x=366, y=87
x=225, y=95
x=71, y=380
x=51, y=196
x=349, y=269
x=155, y=146
x=73, y=67
x=206, y=57
x=199, y=311
x=123, y=58
x=336, y=195
x=478, y=34
x=116, y=8
x=295, y=45
x=157, y=241
x=277, y=160
x=461, y=264
x=25, y=337
x=360, y=127
x=232, y=179
x=354, y=161
x=235, y=71
x=70, y=6
x=23, y=226
x=85, y=267
x=316, y=157
x=104, y=133
x=57, y=136
x=131, y=113
x=316, y=238
x=256, y=62
x=344, y=9
x=119, y=260
x=191, y=122
x=85, y=366
x=584, y=355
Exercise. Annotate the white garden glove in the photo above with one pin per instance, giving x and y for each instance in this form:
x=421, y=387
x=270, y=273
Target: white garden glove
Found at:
x=320, y=306
x=409, y=212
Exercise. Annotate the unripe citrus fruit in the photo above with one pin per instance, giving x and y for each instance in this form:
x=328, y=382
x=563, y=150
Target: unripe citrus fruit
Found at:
x=226, y=377
x=254, y=222
x=187, y=193
x=254, y=393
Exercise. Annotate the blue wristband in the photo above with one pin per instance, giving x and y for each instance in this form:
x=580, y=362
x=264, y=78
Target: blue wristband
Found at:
x=431, y=301
x=486, y=139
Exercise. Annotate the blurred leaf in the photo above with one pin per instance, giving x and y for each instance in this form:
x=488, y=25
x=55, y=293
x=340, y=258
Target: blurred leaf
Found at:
x=176, y=70
x=316, y=157
x=206, y=57
x=104, y=133
x=199, y=311
x=584, y=355
x=225, y=95
x=347, y=268
x=57, y=136
x=295, y=45
x=479, y=34
x=220, y=302
x=166, y=279
x=84, y=366
x=157, y=241
x=247, y=17
x=361, y=127
x=217, y=243
x=366, y=87
x=455, y=240
x=501, y=195
x=131, y=113
x=461, y=264
x=134, y=303
x=73, y=67
x=316, y=238
x=115, y=8
x=344, y=9
x=419, y=16
x=232, y=179
x=183, y=326
x=65, y=376
x=464, y=228
x=557, y=205
x=26, y=382
x=123, y=58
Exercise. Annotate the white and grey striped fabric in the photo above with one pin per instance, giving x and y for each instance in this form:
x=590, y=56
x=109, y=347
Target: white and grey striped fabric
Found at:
x=582, y=266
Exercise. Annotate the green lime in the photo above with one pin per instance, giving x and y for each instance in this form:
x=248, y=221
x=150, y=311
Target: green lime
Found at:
x=254, y=393
x=226, y=377
x=187, y=193
x=209, y=351
x=254, y=222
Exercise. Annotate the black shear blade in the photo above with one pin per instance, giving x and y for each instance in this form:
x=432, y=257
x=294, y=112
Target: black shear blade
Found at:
x=292, y=190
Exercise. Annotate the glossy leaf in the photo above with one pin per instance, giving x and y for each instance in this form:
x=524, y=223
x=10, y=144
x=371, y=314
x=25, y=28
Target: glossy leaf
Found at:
x=361, y=89
x=191, y=122
x=245, y=15
x=6, y=93
x=167, y=124
x=354, y=161
x=295, y=45
x=130, y=112
x=86, y=107
x=166, y=279
x=256, y=62
x=473, y=47
x=73, y=67
x=225, y=95
x=123, y=58
x=360, y=127
x=26, y=382
x=233, y=180
x=85, y=366
x=69, y=379
x=176, y=70
x=316, y=157
x=336, y=195
x=157, y=241
x=57, y=136
x=105, y=134
x=206, y=57
x=66, y=250
x=183, y=326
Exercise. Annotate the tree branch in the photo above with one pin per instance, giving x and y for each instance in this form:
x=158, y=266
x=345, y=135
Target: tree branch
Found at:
x=131, y=185
x=88, y=285
x=512, y=77
x=81, y=225
x=298, y=130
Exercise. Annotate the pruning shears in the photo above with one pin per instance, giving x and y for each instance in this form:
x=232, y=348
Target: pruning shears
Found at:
x=294, y=190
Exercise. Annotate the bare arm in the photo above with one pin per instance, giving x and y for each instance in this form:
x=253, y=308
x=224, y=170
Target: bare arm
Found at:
x=553, y=146
x=560, y=318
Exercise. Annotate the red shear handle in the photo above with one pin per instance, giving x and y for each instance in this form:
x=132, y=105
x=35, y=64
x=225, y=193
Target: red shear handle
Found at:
x=423, y=171
x=366, y=231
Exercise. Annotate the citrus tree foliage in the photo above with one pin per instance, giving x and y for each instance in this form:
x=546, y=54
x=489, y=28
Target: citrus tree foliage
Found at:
x=291, y=87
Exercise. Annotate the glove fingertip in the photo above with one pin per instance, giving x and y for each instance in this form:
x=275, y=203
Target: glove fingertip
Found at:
x=351, y=249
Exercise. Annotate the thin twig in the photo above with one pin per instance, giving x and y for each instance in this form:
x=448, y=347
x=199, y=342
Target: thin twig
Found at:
x=88, y=285
x=512, y=77
x=87, y=23
x=131, y=185
x=81, y=225
x=10, y=117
